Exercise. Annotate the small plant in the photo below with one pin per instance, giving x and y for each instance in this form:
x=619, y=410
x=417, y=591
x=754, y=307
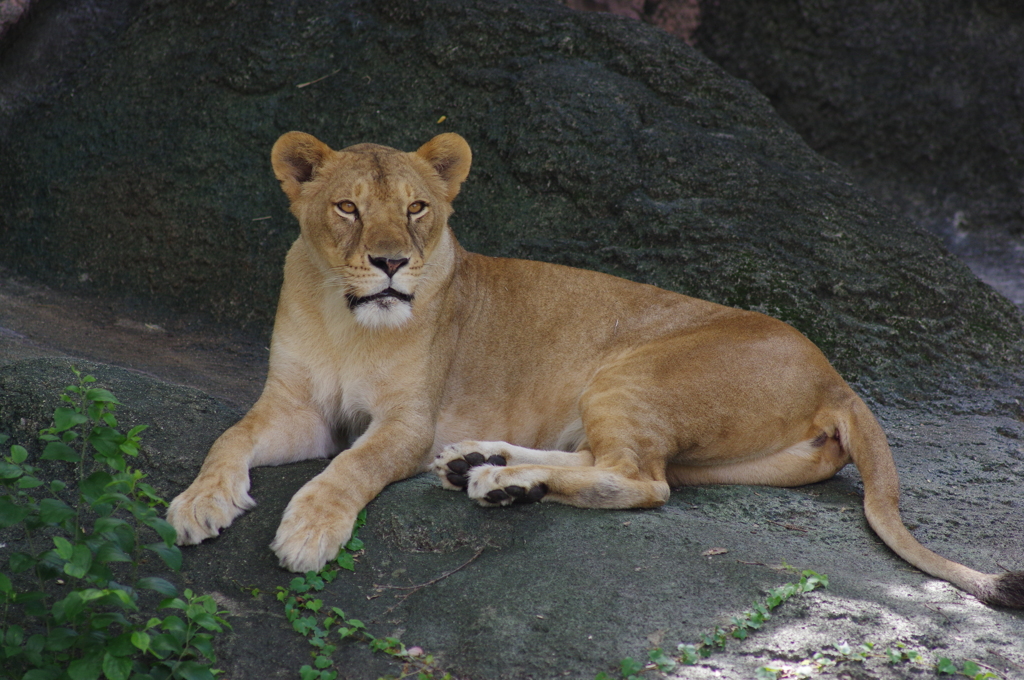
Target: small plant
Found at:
x=843, y=652
x=304, y=611
x=74, y=617
x=739, y=628
x=970, y=668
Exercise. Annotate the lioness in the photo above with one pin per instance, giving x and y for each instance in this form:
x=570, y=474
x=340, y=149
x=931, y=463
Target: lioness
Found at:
x=576, y=387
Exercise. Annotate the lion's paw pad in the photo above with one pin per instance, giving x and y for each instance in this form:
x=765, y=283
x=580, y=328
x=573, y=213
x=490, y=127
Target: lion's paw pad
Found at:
x=454, y=467
x=516, y=494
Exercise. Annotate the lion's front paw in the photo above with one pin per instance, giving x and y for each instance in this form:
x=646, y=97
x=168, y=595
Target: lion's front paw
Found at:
x=492, y=486
x=210, y=504
x=455, y=461
x=314, y=527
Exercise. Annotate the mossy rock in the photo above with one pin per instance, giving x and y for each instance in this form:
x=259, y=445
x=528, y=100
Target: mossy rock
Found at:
x=599, y=142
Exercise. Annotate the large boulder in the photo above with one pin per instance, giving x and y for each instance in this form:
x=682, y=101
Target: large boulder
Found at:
x=922, y=102
x=549, y=591
x=599, y=142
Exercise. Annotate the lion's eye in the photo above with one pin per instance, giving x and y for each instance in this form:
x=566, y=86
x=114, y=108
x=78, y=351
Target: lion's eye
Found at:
x=346, y=207
x=416, y=207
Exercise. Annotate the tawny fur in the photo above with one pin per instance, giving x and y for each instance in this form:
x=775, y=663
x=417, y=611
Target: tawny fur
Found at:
x=385, y=324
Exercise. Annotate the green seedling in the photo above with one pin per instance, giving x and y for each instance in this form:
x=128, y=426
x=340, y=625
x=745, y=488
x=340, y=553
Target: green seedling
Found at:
x=66, y=609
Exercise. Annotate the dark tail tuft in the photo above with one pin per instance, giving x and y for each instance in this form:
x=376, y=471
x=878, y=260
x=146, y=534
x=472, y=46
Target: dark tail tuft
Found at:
x=1008, y=591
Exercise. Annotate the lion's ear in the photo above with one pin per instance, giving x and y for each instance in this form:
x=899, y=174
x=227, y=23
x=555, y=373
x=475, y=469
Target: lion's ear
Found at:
x=296, y=157
x=450, y=156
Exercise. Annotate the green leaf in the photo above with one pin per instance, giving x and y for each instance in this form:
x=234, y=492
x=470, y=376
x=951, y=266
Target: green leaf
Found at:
x=80, y=562
x=15, y=634
x=57, y=451
x=346, y=561
x=29, y=482
x=629, y=666
x=970, y=668
x=141, y=640
x=64, y=547
x=207, y=621
x=155, y=583
x=10, y=470
x=134, y=432
x=170, y=554
x=116, y=668
x=101, y=395
x=95, y=485
x=53, y=511
x=18, y=454
x=659, y=659
x=108, y=551
x=6, y=586
x=60, y=451
x=190, y=670
x=162, y=527
x=945, y=666
x=42, y=674
x=59, y=639
x=67, y=418
x=88, y=668
x=202, y=642
x=106, y=440
x=118, y=531
x=354, y=544
x=20, y=562
x=11, y=514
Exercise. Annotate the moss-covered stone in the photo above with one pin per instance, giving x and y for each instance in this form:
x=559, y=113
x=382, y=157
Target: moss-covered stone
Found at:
x=922, y=102
x=598, y=142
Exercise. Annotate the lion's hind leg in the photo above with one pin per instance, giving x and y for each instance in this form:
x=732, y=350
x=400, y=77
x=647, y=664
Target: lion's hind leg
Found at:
x=455, y=462
x=585, y=487
x=810, y=461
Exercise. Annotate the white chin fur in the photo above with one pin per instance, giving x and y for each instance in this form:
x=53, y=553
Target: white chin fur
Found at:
x=383, y=313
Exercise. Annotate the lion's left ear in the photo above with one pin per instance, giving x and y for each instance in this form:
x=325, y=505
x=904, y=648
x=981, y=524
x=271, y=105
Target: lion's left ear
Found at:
x=450, y=156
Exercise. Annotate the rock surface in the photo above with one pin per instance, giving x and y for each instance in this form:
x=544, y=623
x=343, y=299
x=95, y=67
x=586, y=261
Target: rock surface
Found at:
x=564, y=592
x=922, y=102
x=599, y=142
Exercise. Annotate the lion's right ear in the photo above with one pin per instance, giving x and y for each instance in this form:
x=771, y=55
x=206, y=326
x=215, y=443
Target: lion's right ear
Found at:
x=296, y=157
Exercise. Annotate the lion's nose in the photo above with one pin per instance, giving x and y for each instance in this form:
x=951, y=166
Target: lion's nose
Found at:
x=387, y=265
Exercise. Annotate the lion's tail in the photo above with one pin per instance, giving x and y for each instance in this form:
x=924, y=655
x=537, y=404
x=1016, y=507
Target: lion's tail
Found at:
x=864, y=439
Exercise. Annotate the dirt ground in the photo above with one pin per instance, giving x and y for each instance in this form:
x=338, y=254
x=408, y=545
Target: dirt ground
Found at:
x=37, y=321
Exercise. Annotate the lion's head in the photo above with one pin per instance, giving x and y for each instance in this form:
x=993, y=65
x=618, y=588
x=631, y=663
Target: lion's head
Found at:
x=372, y=215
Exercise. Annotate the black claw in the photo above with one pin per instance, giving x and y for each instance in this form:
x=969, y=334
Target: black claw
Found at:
x=496, y=460
x=474, y=459
x=536, y=493
x=461, y=481
x=496, y=496
x=516, y=492
x=458, y=466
